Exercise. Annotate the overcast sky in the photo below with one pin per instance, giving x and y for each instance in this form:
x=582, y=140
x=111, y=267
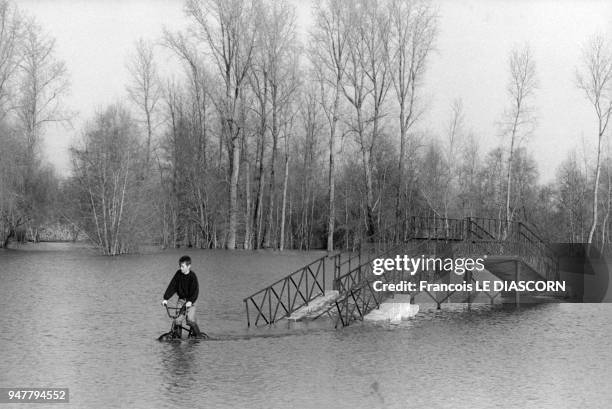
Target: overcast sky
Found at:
x=95, y=37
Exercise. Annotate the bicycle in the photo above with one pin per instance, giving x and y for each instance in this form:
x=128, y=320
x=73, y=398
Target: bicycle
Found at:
x=176, y=328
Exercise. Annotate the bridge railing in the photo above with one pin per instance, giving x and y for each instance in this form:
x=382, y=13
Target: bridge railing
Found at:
x=485, y=228
x=497, y=229
x=437, y=228
x=545, y=264
x=499, y=238
x=357, y=303
x=527, y=236
x=286, y=295
x=476, y=230
x=344, y=262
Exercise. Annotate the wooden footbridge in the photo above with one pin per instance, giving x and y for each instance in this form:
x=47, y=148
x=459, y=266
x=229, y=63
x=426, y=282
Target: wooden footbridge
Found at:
x=340, y=284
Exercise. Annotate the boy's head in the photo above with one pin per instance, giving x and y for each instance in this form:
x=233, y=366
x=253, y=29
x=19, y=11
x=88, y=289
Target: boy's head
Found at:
x=185, y=264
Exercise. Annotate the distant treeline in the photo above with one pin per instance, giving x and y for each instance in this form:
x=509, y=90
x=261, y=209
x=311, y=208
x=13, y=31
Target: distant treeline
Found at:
x=271, y=139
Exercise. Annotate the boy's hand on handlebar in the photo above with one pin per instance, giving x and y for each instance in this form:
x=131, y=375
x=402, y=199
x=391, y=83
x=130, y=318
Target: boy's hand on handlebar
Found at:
x=164, y=302
x=188, y=304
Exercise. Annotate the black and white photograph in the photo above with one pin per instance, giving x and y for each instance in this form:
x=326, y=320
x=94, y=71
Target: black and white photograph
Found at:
x=306, y=204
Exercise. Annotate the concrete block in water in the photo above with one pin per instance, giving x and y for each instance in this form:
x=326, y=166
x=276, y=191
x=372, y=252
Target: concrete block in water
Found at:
x=393, y=311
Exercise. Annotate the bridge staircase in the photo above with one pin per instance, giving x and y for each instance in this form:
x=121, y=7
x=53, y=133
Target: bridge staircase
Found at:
x=349, y=295
x=299, y=290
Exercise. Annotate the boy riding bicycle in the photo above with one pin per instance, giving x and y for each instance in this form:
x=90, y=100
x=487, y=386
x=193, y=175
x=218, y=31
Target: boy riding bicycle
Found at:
x=185, y=285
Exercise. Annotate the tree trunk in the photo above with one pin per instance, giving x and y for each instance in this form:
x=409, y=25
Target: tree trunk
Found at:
x=282, y=222
x=596, y=187
x=270, y=224
x=346, y=217
x=331, y=177
x=247, y=217
x=233, y=199
x=258, y=213
x=604, y=224
x=369, y=192
x=400, y=176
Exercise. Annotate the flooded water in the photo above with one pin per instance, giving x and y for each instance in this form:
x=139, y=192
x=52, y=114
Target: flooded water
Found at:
x=71, y=318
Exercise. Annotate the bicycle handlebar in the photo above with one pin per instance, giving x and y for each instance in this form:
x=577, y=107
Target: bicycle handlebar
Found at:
x=177, y=311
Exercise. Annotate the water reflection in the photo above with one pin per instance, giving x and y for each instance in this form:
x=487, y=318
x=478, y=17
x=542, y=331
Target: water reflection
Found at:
x=179, y=365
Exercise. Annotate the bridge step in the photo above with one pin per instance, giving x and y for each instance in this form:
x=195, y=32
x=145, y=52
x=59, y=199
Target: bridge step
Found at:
x=316, y=307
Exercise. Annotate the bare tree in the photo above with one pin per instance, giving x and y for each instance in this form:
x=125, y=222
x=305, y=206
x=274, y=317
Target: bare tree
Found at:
x=467, y=179
x=199, y=79
x=329, y=57
x=228, y=29
x=178, y=150
x=491, y=191
x=104, y=167
x=453, y=142
x=12, y=199
x=289, y=112
x=276, y=72
x=11, y=33
x=413, y=32
x=199, y=88
x=365, y=85
x=518, y=121
x=595, y=79
x=571, y=194
x=258, y=79
x=44, y=82
x=432, y=175
x=608, y=203
x=311, y=120
x=144, y=90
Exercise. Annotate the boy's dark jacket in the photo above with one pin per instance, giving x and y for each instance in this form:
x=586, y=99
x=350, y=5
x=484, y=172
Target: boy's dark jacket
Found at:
x=184, y=285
